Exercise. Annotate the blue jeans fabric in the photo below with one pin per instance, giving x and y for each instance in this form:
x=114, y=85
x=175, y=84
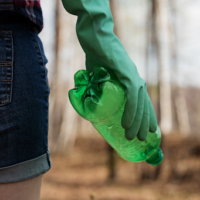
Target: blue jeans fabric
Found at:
x=24, y=101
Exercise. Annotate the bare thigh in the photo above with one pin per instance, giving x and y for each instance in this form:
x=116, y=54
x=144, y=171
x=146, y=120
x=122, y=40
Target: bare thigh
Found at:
x=25, y=190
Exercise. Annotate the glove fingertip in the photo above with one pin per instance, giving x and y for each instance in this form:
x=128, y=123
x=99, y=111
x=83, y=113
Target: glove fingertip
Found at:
x=129, y=137
x=153, y=128
x=126, y=122
x=142, y=137
x=130, y=133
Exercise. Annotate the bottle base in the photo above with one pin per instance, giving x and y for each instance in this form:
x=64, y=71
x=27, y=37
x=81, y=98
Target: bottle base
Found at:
x=156, y=158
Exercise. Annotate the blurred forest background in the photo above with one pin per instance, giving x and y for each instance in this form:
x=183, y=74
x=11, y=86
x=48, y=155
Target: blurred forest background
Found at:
x=162, y=38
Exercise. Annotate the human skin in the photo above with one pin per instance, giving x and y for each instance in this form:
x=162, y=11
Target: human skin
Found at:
x=24, y=190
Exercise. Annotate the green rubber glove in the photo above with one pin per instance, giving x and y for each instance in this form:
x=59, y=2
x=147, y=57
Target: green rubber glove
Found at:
x=102, y=48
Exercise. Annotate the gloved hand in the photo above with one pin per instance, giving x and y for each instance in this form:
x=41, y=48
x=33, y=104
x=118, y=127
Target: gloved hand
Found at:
x=102, y=48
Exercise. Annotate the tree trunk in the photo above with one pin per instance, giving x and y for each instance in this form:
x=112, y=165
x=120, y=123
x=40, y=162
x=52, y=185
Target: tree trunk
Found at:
x=164, y=57
x=180, y=101
x=53, y=118
x=111, y=151
x=182, y=112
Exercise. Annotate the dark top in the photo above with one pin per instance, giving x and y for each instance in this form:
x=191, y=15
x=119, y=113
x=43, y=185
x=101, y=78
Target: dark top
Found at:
x=29, y=9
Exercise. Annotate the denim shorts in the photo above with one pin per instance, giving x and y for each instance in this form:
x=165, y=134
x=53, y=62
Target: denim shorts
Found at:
x=24, y=103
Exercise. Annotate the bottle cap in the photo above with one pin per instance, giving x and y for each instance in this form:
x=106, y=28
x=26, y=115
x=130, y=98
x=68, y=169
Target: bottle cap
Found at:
x=156, y=158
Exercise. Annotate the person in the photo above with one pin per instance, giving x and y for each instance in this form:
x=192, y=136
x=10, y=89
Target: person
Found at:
x=24, y=101
x=24, y=88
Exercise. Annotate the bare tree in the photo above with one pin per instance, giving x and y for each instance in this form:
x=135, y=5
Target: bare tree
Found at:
x=182, y=112
x=111, y=152
x=62, y=128
x=164, y=58
x=180, y=101
x=53, y=117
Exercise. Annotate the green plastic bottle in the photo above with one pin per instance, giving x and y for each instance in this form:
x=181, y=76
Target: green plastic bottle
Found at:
x=100, y=98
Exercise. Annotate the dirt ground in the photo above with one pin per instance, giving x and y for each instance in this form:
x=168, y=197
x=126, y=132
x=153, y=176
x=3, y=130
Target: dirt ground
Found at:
x=83, y=175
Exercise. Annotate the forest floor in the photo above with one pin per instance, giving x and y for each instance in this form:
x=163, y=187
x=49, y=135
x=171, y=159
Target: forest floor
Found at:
x=83, y=175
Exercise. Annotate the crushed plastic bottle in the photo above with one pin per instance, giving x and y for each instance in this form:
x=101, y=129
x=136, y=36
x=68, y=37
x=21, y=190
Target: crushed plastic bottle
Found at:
x=100, y=98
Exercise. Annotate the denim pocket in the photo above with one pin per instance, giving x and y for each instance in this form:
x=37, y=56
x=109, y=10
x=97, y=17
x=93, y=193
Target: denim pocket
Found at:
x=6, y=67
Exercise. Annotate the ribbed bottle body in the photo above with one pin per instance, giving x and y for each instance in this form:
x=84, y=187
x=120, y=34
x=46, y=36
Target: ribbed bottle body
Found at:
x=100, y=98
x=130, y=150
